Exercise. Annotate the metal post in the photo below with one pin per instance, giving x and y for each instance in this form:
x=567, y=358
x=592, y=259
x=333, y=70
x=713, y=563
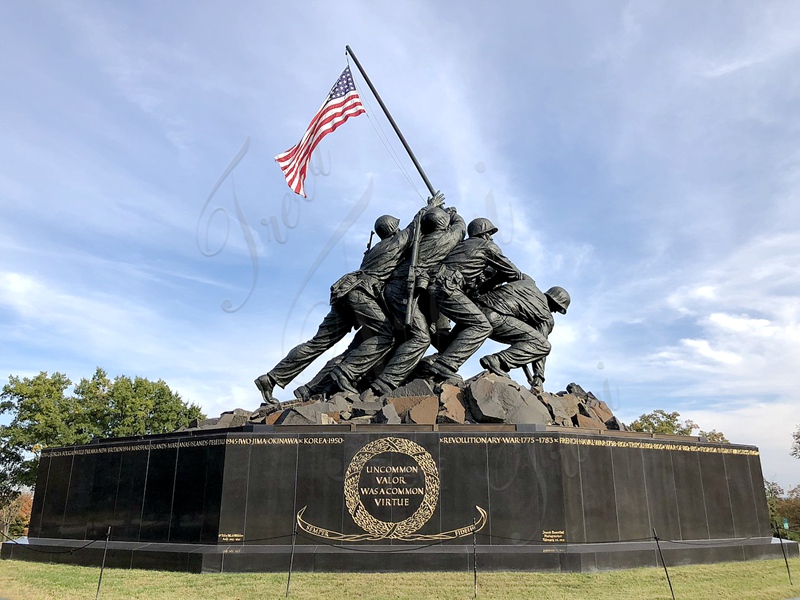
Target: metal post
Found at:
x=474, y=561
x=412, y=269
x=391, y=120
x=291, y=558
x=103, y=564
x=655, y=537
x=785, y=559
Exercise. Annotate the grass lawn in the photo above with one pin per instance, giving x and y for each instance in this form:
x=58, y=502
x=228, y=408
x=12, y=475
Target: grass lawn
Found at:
x=757, y=579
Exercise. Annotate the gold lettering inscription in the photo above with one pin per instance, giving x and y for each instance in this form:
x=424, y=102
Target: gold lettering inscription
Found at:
x=477, y=439
x=391, y=480
x=392, y=491
x=230, y=537
x=90, y=450
x=553, y=536
x=391, y=469
x=282, y=441
x=581, y=441
x=319, y=531
x=230, y=441
x=391, y=501
x=391, y=485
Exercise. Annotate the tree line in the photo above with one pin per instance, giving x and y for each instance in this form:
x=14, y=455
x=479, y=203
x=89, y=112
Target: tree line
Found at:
x=660, y=421
x=786, y=505
x=47, y=410
x=44, y=413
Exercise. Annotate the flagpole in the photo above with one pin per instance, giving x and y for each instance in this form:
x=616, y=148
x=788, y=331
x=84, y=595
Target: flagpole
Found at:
x=391, y=120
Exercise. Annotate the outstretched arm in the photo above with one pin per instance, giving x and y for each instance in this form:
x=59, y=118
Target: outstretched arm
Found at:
x=504, y=267
x=457, y=225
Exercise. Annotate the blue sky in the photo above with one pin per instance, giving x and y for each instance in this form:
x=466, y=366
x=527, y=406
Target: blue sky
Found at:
x=641, y=154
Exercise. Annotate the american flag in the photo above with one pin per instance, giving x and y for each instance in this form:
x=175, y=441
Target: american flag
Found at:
x=341, y=104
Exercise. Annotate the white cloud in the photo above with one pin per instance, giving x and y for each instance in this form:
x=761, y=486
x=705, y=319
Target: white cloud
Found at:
x=642, y=155
x=756, y=422
x=703, y=349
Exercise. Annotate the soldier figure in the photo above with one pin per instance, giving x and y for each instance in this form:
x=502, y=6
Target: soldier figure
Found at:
x=354, y=303
x=442, y=229
x=521, y=315
x=456, y=281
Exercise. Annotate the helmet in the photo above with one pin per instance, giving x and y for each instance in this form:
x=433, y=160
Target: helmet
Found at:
x=560, y=298
x=386, y=226
x=480, y=225
x=433, y=219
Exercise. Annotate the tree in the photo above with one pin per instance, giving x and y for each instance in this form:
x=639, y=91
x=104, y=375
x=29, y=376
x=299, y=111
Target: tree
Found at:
x=788, y=507
x=715, y=436
x=126, y=407
x=44, y=415
x=10, y=463
x=796, y=443
x=660, y=421
x=774, y=492
x=15, y=516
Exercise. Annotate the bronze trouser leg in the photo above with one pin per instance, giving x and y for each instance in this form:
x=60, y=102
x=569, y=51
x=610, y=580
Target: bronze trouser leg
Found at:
x=416, y=342
x=527, y=344
x=336, y=324
x=378, y=336
x=473, y=326
x=321, y=379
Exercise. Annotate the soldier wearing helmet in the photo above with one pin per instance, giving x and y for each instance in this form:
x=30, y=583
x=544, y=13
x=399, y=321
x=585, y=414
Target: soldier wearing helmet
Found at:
x=442, y=229
x=481, y=227
x=558, y=299
x=435, y=219
x=354, y=303
x=521, y=315
x=457, y=281
x=386, y=226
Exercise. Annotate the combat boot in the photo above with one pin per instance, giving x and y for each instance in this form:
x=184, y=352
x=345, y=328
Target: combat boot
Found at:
x=265, y=385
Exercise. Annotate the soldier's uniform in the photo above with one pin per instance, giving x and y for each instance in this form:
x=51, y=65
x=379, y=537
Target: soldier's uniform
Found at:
x=354, y=303
x=434, y=246
x=455, y=282
x=520, y=316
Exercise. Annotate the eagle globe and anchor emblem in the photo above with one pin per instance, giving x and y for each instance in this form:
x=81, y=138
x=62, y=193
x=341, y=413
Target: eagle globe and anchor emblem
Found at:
x=391, y=489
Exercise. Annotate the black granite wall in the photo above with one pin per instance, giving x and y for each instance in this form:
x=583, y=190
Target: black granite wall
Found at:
x=540, y=487
x=151, y=490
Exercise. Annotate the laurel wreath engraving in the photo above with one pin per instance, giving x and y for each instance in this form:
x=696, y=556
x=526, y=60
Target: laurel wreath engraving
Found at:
x=359, y=512
x=404, y=530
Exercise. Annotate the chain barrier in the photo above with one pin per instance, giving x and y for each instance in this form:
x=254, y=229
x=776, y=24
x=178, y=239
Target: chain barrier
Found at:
x=416, y=547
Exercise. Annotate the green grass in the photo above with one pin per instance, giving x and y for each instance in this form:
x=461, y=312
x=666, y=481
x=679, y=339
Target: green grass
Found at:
x=757, y=580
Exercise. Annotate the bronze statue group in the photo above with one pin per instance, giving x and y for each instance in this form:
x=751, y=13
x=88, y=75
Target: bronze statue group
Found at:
x=409, y=288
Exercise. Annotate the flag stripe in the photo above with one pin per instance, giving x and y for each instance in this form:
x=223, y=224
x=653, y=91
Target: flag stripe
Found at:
x=297, y=163
x=297, y=166
x=319, y=126
x=325, y=109
x=341, y=104
x=297, y=157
